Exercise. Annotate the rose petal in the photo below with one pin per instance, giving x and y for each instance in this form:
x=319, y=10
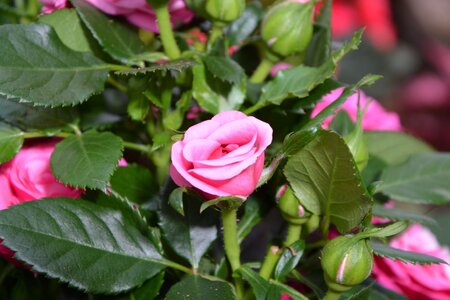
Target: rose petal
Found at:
x=235, y=132
x=224, y=172
x=200, y=131
x=229, y=116
x=199, y=149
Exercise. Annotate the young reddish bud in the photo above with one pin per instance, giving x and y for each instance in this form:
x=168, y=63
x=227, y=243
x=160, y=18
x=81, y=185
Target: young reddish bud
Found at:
x=287, y=28
x=346, y=261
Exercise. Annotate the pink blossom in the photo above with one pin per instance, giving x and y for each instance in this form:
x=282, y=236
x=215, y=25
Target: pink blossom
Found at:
x=417, y=282
x=375, y=117
x=223, y=156
x=137, y=12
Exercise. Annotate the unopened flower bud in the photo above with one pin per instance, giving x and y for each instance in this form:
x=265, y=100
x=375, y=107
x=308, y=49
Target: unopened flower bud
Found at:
x=287, y=28
x=225, y=10
x=291, y=209
x=347, y=261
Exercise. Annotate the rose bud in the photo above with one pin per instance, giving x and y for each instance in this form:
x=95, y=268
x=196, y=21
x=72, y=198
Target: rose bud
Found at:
x=291, y=209
x=346, y=261
x=224, y=10
x=287, y=27
x=223, y=156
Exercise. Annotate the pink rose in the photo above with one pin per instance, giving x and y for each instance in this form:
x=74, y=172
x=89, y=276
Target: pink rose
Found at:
x=28, y=177
x=375, y=117
x=137, y=12
x=223, y=156
x=415, y=281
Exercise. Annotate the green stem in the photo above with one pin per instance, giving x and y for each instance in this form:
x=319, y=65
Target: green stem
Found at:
x=137, y=147
x=262, y=71
x=254, y=108
x=117, y=85
x=293, y=234
x=270, y=262
x=166, y=33
x=332, y=295
x=232, y=249
x=178, y=267
x=215, y=33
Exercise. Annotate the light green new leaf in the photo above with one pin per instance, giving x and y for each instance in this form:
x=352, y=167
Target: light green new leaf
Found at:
x=424, y=178
x=11, y=140
x=384, y=250
x=394, y=147
x=69, y=29
x=117, y=39
x=87, y=160
x=88, y=246
x=35, y=66
x=195, y=287
x=324, y=178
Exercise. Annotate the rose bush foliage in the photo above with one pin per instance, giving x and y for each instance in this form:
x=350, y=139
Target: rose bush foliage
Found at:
x=214, y=110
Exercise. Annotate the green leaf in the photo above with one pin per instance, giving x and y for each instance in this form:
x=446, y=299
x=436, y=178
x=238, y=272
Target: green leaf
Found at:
x=227, y=202
x=190, y=236
x=215, y=101
x=342, y=123
x=88, y=246
x=254, y=210
x=117, y=39
x=173, y=65
x=27, y=116
x=317, y=94
x=319, y=49
x=300, y=80
x=11, y=140
x=69, y=29
x=324, y=178
x=384, y=250
x=402, y=215
x=176, y=200
x=386, y=231
x=296, y=141
x=424, y=178
x=259, y=285
x=87, y=160
x=392, y=147
x=194, y=287
x=289, y=260
x=224, y=68
x=243, y=27
x=149, y=290
x=35, y=66
x=134, y=182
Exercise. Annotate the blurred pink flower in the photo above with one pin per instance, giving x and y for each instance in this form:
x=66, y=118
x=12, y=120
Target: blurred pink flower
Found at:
x=417, y=282
x=137, y=12
x=375, y=117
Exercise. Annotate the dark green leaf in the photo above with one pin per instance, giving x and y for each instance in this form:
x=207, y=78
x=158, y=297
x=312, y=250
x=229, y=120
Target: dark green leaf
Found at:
x=317, y=94
x=176, y=200
x=212, y=101
x=259, y=285
x=175, y=65
x=424, y=178
x=117, y=39
x=198, y=288
x=243, y=27
x=88, y=246
x=35, y=66
x=27, y=116
x=296, y=141
x=384, y=250
x=342, y=123
x=402, y=215
x=277, y=288
x=135, y=183
x=254, y=211
x=394, y=147
x=68, y=28
x=300, y=80
x=11, y=140
x=228, y=202
x=224, y=68
x=319, y=49
x=189, y=236
x=324, y=178
x=87, y=160
x=149, y=290
x=289, y=260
